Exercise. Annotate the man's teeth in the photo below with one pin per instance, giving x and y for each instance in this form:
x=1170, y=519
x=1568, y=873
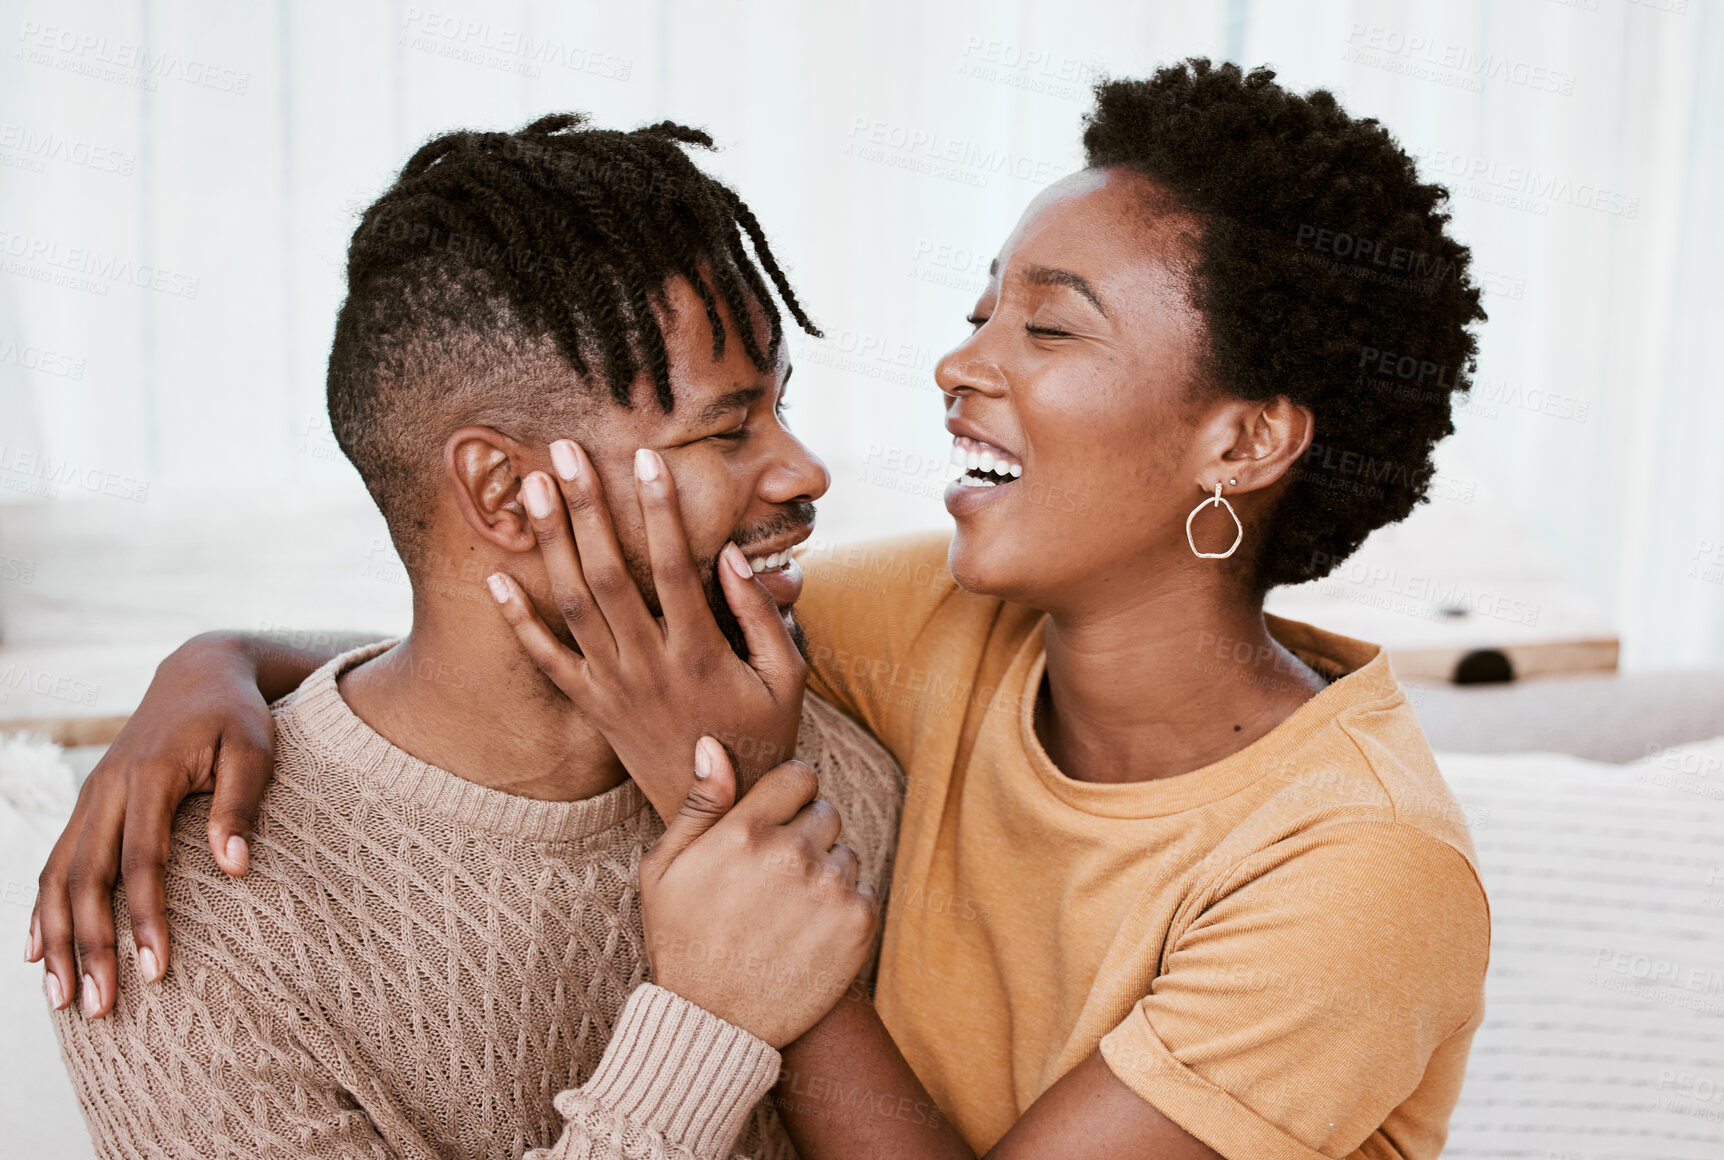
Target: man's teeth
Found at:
x=984, y=464
x=769, y=563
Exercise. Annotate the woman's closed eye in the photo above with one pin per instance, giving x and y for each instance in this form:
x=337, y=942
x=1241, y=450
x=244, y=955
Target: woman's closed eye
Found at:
x=977, y=321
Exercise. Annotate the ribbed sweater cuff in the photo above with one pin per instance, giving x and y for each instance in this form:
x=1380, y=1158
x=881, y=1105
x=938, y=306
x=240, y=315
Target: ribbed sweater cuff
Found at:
x=682, y=1073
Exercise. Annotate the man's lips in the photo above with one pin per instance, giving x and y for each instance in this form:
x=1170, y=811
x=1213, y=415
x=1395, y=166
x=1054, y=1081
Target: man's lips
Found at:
x=774, y=555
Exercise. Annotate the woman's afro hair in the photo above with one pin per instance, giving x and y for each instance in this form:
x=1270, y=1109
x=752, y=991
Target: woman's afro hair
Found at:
x=1325, y=274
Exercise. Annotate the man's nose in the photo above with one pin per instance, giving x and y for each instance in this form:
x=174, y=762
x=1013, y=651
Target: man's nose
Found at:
x=796, y=476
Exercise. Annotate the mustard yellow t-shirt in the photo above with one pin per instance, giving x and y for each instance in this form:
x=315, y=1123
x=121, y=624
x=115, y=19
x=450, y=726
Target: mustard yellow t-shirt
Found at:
x=1283, y=951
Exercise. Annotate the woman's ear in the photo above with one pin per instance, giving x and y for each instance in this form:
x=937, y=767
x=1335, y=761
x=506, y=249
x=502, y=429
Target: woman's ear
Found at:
x=1269, y=439
x=485, y=468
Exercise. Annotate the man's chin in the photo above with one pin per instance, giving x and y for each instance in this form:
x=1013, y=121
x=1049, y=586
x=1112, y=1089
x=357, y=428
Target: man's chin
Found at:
x=732, y=630
x=797, y=636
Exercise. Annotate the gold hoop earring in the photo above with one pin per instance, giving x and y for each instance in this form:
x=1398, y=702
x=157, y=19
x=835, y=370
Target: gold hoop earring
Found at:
x=1238, y=538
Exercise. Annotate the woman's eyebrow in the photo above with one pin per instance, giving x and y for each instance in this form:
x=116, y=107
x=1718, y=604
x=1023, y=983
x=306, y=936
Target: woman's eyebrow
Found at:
x=1051, y=276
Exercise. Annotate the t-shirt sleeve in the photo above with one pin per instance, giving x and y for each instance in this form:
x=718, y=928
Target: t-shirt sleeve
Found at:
x=864, y=607
x=192, y=1066
x=1304, y=1002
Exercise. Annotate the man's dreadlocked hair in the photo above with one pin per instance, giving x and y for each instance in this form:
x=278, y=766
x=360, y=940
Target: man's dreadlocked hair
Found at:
x=499, y=262
x=1320, y=251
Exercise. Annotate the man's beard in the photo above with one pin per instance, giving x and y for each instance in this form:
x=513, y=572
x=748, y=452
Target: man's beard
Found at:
x=794, y=515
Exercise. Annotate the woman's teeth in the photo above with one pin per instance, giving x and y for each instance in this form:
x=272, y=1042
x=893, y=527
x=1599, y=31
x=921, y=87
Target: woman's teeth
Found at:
x=984, y=464
x=769, y=563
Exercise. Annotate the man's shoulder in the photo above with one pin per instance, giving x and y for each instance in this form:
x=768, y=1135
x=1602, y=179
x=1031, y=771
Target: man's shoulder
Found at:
x=856, y=773
x=833, y=740
x=214, y=911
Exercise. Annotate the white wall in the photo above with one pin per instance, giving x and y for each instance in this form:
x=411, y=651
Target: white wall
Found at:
x=230, y=165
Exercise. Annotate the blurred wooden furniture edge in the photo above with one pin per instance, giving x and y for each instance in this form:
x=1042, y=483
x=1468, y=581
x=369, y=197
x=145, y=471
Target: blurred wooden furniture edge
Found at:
x=1460, y=579
x=68, y=732
x=1545, y=658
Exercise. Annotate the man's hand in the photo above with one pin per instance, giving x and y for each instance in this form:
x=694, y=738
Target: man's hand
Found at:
x=750, y=909
x=653, y=688
x=203, y=726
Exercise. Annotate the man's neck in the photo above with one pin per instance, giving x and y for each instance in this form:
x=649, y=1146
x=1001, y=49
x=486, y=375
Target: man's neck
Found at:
x=459, y=694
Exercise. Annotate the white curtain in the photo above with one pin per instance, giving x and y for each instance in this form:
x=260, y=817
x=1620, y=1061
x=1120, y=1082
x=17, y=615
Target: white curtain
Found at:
x=178, y=181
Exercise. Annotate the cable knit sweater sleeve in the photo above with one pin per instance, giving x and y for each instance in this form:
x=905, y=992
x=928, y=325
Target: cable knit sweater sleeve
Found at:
x=675, y=1083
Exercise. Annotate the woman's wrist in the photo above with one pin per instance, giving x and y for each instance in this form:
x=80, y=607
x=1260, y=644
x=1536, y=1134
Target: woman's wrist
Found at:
x=273, y=667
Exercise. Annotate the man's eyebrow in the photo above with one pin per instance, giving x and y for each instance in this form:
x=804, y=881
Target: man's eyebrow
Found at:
x=738, y=399
x=1049, y=276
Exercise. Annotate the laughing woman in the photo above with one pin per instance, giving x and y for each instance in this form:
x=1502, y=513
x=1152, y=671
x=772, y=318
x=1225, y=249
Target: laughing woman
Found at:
x=1174, y=877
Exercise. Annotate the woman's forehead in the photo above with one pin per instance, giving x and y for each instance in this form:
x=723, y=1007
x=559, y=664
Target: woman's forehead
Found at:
x=1105, y=224
x=1112, y=207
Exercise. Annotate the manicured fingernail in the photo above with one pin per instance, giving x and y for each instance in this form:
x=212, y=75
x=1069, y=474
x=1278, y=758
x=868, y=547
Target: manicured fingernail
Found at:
x=89, y=996
x=29, y=946
x=737, y=561
x=499, y=587
x=51, y=988
x=702, y=759
x=564, y=459
x=236, y=851
x=536, y=494
x=148, y=965
x=646, y=465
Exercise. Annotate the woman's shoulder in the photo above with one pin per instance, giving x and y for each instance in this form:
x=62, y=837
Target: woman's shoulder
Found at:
x=1366, y=781
x=899, y=571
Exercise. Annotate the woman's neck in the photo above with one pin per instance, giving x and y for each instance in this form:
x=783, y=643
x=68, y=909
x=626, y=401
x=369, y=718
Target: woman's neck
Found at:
x=1163, y=685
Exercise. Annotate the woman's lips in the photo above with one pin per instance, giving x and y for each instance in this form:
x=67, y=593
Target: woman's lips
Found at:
x=988, y=471
x=963, y=499
x=984, y=463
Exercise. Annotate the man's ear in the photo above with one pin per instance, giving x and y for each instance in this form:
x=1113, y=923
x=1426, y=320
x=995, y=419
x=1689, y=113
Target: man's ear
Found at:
x=484, y=467
x=1263, y=441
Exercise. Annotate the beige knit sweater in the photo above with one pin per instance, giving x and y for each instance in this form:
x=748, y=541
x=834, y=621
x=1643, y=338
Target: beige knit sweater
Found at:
x=417, y=966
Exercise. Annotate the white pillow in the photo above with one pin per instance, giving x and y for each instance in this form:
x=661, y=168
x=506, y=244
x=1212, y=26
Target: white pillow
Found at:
x=1604, y=1004
x=39, y=1114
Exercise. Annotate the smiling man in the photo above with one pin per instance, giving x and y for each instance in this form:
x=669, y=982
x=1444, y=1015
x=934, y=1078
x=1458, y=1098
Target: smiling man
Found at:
x=439, y=928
